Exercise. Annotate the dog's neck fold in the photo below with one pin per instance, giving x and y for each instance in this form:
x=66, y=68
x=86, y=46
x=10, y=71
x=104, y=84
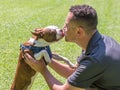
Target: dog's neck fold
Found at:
x=38, y=43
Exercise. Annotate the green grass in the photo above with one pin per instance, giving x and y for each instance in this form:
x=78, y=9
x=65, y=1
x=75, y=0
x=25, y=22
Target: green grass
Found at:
x=19, y=17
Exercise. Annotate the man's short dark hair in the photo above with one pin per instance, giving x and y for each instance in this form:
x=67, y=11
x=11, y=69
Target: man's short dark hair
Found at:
x=86, y=16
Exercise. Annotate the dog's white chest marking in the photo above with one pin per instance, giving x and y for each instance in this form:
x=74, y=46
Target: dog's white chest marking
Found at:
x=38, y=43
x=31, y=41
x=41, y=43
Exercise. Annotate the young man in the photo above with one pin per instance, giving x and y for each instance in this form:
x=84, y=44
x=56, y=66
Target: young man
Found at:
x=97, y=67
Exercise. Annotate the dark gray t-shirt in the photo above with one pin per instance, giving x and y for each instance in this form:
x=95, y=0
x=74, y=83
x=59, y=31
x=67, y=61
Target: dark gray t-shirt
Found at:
x=99, y=66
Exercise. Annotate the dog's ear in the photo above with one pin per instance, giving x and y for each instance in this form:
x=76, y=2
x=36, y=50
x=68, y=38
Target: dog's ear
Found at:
x=39, y=35
x=38, y=32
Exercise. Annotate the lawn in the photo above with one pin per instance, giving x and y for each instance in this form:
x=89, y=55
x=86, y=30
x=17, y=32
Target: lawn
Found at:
x=19, y=17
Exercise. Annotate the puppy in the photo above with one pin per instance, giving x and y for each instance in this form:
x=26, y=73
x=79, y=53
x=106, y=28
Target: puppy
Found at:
x=37, y=47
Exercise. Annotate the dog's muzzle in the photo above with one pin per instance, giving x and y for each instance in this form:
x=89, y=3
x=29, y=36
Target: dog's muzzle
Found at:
x=59, y=32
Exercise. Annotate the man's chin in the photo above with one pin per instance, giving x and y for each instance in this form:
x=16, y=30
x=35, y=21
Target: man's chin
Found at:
x=67, y=40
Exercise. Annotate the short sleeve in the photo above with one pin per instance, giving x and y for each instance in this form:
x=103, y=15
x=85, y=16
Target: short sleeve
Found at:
x=87, y=73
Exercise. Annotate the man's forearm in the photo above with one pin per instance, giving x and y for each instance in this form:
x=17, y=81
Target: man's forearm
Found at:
x=53, y=83
x=62, y=69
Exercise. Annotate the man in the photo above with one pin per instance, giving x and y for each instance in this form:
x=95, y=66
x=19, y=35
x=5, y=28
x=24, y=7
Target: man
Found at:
x=98, y=66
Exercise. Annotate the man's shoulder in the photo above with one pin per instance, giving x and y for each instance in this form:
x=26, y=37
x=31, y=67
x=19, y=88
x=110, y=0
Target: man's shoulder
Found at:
x=106, y=49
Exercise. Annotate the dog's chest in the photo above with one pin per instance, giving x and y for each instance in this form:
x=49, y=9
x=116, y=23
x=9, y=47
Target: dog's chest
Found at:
x=38, y=43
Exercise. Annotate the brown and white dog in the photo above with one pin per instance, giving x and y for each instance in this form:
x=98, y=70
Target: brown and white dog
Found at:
x=42, y=37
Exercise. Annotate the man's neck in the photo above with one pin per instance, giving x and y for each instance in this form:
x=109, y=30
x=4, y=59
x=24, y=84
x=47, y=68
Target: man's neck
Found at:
x=83, y=43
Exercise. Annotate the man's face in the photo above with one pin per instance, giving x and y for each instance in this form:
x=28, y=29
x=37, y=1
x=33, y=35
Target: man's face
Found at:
x=69, y=28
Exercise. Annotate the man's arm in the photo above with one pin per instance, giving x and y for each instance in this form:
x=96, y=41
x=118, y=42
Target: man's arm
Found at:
x=54, y=84
x=62, y=69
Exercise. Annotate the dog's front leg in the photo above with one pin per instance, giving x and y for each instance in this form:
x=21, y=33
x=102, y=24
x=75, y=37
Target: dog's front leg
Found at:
x=44, y=54
x=24, y=75
x=61, y=58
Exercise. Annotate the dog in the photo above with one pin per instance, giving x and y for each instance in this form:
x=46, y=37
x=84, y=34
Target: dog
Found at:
x=37, y=47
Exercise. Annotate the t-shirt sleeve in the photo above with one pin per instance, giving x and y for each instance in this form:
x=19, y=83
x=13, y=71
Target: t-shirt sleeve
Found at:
x=88, y=72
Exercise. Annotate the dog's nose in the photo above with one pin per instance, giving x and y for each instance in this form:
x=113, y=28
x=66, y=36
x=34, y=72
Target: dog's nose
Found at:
x=62, y=31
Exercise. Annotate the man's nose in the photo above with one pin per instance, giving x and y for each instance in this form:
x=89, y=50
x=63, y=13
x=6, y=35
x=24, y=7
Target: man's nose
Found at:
x=65, y=29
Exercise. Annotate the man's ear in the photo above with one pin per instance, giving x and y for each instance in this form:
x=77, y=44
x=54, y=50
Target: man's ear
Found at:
x=80, y=31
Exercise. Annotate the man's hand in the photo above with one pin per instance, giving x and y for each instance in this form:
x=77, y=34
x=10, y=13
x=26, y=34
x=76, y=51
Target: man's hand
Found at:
x=37, y=65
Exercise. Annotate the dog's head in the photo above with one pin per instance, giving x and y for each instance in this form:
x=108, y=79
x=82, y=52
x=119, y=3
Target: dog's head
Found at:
x=48, y=34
